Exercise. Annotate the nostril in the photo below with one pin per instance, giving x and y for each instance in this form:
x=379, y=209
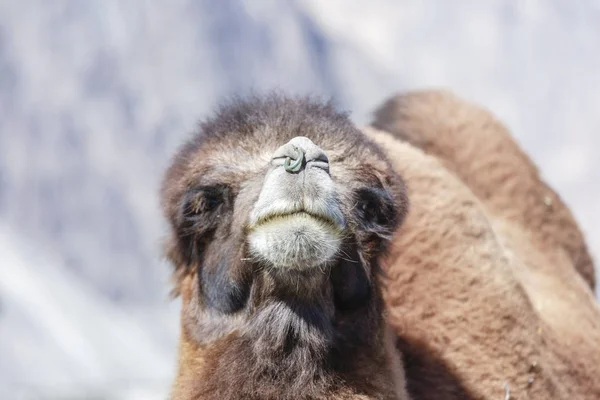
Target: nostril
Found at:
x=300, y=153
x=324, y=165
x=294, y=164
x=317, y=155
x=316, y=158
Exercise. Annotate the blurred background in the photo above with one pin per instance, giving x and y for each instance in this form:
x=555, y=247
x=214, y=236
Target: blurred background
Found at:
x=96, y=95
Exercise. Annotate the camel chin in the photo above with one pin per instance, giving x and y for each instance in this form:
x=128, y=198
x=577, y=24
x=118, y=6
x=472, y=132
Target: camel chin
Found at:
x=296, y=241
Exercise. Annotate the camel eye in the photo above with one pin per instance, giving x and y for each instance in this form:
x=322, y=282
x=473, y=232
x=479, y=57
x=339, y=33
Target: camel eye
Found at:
x=212, y=200
x=206, y=199
x=372, y=205
x=364, y=205
x=367, y=205
x=212, y=203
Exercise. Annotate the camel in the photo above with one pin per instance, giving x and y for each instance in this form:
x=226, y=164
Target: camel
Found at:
x=316, y=260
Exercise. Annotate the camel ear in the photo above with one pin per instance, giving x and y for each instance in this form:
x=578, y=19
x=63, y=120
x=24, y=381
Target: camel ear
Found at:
x=351, y=285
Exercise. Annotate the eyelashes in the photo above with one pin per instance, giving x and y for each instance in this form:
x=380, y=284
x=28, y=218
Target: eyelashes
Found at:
x=375, y=206
x=202, y=206
x=199, y=214
x=204, y=199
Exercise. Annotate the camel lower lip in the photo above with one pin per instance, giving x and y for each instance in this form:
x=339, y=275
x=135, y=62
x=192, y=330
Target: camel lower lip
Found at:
x=297, y=240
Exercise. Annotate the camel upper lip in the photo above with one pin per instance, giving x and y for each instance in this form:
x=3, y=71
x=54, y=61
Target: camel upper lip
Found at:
x=333, y=218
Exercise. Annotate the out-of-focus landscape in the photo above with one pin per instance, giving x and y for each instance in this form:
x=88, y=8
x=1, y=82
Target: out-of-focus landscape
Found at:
x=96, y=95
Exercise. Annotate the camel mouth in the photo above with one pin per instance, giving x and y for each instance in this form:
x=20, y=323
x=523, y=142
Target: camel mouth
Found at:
x=296, y=239
x=331, y=221
x=328, y=214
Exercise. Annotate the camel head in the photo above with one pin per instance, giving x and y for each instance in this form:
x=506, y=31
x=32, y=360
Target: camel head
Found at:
x=279, y=212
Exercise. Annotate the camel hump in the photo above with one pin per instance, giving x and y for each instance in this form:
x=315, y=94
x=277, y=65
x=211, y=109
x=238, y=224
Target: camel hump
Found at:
x=472, y=143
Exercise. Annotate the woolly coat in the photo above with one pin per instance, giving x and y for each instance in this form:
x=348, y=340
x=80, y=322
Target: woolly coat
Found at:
x=489, y=282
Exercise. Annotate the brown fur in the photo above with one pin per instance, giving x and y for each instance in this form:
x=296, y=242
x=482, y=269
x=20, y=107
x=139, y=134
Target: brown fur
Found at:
x=475, y=146
x=253, y=332
x=483, y=288
x=485, y=295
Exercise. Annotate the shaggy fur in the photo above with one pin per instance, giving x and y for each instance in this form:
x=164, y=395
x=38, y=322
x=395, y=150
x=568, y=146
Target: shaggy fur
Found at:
x=476, y=147
x=485, y=291
x=254, y=330
x=485, y=287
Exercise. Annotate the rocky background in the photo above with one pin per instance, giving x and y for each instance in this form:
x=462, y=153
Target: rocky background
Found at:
x=95, y=95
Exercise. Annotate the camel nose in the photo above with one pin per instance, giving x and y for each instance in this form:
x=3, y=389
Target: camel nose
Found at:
x=300, y=153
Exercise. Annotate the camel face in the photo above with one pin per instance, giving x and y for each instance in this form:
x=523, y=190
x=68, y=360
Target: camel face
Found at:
x=260, y=202
x=279, y=211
